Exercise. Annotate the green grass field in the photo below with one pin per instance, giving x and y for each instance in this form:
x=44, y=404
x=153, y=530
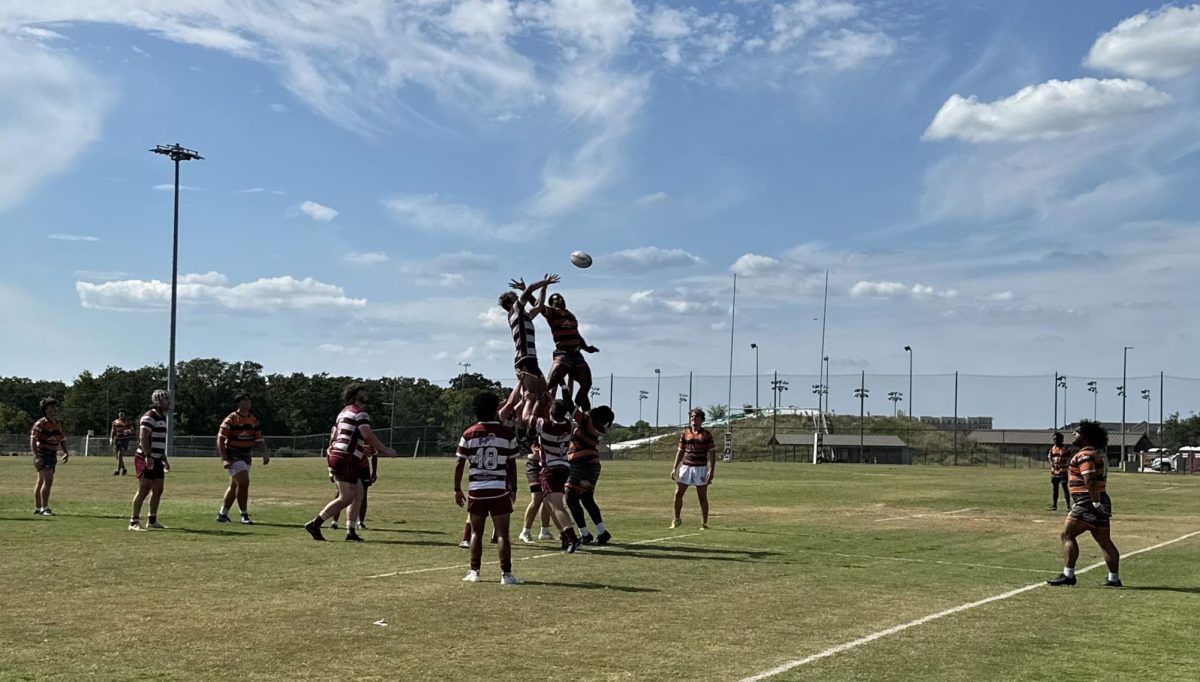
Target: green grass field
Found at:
x=800, y=559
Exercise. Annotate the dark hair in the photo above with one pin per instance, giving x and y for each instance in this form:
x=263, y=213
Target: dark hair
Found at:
x=120, y=412
x=560, y=410
x=697, y=410
x=47, y=402
x=1093, y=434
x=485, y=405
x=603, y=415
x=350, y=393
x=507, y=299
x=240, y=397
x=1058, y=437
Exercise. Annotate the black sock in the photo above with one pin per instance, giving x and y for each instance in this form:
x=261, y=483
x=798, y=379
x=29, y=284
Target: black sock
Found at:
x=588, y=500
x=576, y=508
x=153, y=519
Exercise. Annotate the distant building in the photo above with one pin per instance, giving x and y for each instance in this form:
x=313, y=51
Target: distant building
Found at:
x=845, y=447
x=964, y=423
x=1035, y=443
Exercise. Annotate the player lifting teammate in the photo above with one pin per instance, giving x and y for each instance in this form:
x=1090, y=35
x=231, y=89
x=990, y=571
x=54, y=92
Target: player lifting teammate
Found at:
x=45, y=439
x=490, y=448
x=118, y=437
x=347, y=450
x=1091, y=508
x=569, y=347
x=237, y=438
x=529, y=395
x=695, y=464
x=150, y=462
x=583, y=457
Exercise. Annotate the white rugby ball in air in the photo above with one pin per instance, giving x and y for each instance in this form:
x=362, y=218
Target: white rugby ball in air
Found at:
x=581, y=260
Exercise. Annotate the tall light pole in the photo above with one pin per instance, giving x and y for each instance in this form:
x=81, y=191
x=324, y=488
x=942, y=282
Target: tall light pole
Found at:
x=642, y=395
x=778, y=386
x=682, y=399
x=177, y=154
x=595, y=392
x=1095, y=392
x=755, y=347
x=911, y=413
x=895, y=397
x=466, y=366
x=825, y=384
x=1146, y=397
x=861, y=394
x=1060, y=381
x=1124, y=383
x=657, y=396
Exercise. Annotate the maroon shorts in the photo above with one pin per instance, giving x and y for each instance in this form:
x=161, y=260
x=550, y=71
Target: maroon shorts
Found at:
x=554, y=479
x=45, y=462
x=489, y=506
x=345, y=469
x=148, y=468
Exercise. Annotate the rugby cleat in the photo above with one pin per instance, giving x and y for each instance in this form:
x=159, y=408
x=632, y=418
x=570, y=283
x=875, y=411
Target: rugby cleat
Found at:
x=136, y=526
x=472, y=577
x=246, y=520
x=573, y=547
x=1061, y=580
x=603, y=539
x=704, y=526
x=586, y=539
x=47, y=512
x=526, y=537
x=545, y=535
x=333, y=525
x=353, y=537
x=465, y=544
x=362, y=525
x=222, y=518
x=510, y=579
x=314, y=530
x=675, y=523
x=158, y=525
x=1112, y=583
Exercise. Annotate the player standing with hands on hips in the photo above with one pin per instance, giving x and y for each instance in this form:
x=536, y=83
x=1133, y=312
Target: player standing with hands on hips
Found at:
x=695, y=464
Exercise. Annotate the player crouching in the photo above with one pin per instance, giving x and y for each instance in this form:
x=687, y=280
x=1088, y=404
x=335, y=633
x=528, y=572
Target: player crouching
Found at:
x=490, y=448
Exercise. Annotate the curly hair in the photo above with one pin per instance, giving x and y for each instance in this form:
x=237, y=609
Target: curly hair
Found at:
x=47, y=403
x=485, y=406
x=1093, y=434
x=350, y=393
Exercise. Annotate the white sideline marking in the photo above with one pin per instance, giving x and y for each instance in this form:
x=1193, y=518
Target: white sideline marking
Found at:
x=921, y=516
x=935, y=616
x=525, y=558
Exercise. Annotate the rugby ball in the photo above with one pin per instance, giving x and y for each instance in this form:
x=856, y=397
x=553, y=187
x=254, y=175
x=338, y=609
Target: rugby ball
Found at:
x=581, y=260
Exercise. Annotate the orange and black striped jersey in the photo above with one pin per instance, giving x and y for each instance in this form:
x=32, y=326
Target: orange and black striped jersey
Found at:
x=1086, y=461
x=122, y=429
x=241, y=435
x=585, y=440
x=48, y=436
x=1060, y=457
x=696, y=446
x=564, y=328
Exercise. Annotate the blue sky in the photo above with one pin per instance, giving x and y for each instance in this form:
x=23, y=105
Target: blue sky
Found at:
x=1007, y=187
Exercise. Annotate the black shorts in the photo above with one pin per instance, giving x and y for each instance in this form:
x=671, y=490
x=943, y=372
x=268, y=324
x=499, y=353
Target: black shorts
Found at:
x=121, y=444
x=569, y=358
x=528, y=365
x=1085, y=513
x=584, y=475
x=45, y=462
x=1055, y=480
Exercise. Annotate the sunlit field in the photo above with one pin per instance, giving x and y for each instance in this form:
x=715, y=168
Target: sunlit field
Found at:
x=800, y=560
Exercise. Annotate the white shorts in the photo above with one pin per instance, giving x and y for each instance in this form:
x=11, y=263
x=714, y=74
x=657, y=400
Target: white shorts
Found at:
x=690, y=475
x=238, y=467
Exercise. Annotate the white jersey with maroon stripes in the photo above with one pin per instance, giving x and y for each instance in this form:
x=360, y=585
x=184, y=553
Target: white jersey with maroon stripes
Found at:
x=156, y=421
x=346, y=438
x=521, y=326
x=554, y=437
x=488, y=447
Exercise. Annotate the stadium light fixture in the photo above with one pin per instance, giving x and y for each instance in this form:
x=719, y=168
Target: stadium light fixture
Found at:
x=177, y=154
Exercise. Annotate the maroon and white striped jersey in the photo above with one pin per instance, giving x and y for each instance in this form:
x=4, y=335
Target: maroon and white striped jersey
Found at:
x=522, y=332
x=346, y=438
x=554, y=437
x=488, y=447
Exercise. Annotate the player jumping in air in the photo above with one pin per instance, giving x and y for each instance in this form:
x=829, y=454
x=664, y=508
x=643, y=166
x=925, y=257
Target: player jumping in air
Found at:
x=490, y=448
x=150, y=462
x=118, y=437
x=695, y=464
x=1059, y=457
x=1091, y=508
x=529, y=395
x=347, y=450
x=45, y=439
x=569, y=347
x=583, y=457
x=237, y=438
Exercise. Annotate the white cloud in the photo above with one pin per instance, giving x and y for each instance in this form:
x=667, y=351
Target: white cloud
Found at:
x=493, y=317
x=52, y=112
x=650, y=258
x=877, y=289
x=279, y=108
x=170, y=187
x=793, y=22
x=505, y=117
x=72, y=237
x=600, y=26
x=1000, y=296
x=261, y=295
x=925, y=291
x=318, y=212
x=846, y=49
x=680, y=301
x=652, y=199
x=755, y=265
x=448, y=269
x=428, y=212
x=250, y=190
x=492, y=19
x=1045, y=111
x=140, y=51
x=368, y=258
x=1153, y=44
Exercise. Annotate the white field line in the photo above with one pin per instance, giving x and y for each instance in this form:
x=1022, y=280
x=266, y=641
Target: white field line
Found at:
x=459, y=565
x=832, y=651
x=922, y=516
x=749, y=550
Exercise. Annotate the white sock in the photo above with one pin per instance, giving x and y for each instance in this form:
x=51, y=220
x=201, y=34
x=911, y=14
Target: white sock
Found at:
x=37, y=509
x=545, y=530
x=224, y=511
x=1069, y=572
x=583, y=532
x=350, y=525
x=600, y=528
x=245, y=513
x=527, y=529
x=1114, y=576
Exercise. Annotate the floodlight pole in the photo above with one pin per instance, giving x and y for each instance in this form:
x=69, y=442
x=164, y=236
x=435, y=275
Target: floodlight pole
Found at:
x=177, y=154
x=755, y=347
x=657, y=396
x=911, y=412
x=1124, y=390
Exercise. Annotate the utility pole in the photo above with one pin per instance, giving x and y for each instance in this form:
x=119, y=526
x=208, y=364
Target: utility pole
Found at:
x=1094, y=390
x=1060, y=381
x=682, y=399
x=911, y=410
x=657, y=396
x=755, y=347
x=1124, y=383
x=177, y=154
x=895, y=397
x=861, y=394
x=466, y=368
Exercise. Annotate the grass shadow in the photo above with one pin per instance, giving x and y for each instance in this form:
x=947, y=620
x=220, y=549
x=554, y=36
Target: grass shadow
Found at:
x=708, y=551
x=213, y=531
x=591, y=586
x=1165, y=588
x=632, y=553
